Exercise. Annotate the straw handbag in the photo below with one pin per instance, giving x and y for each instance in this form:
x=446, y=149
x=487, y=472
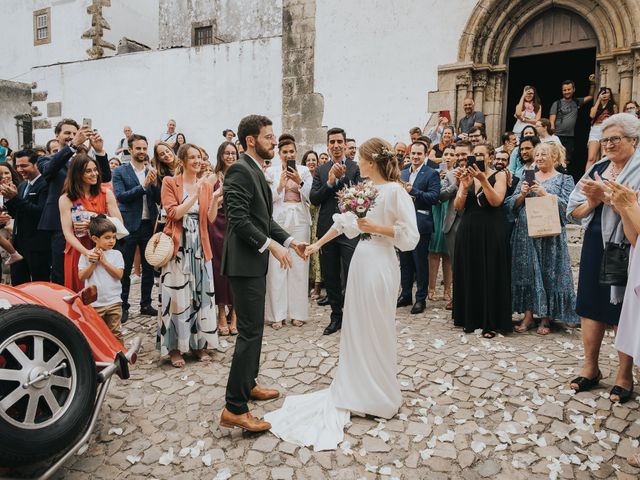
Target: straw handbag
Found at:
x=159, y=249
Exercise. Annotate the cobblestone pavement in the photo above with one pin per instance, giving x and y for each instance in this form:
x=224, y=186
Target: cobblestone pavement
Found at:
x=473, y=408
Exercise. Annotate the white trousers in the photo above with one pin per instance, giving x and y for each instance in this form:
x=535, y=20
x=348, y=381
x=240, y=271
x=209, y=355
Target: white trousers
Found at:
x=287, y=289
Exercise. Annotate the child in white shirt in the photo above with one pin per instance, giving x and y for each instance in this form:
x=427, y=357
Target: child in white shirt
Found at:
x=104, y=268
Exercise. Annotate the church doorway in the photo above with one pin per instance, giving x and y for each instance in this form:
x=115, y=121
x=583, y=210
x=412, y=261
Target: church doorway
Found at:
x=558, y=45
x=546, y=73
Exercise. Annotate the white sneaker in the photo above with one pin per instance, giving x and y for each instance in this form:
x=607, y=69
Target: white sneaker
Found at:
x=135, y=279
x=13, y=258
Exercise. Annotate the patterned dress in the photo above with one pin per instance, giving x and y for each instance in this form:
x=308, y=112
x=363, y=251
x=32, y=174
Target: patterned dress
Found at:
x=187, y=318
x=541, y=279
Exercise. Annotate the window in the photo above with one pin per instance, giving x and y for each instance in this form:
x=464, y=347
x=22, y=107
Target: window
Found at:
x=42, y=26
x=203, y=36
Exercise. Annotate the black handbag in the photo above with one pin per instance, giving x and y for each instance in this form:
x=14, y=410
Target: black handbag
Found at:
x=615, y=262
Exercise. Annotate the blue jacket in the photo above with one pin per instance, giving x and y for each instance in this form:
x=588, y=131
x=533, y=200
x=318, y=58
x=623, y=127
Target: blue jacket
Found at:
x=425, y=193
x=54, y=171
x=129, y=194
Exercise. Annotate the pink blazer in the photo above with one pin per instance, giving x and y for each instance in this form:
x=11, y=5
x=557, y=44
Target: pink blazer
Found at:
x=171, y=195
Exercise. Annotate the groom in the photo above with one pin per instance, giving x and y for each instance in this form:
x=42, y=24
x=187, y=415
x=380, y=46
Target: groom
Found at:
x=251, y=236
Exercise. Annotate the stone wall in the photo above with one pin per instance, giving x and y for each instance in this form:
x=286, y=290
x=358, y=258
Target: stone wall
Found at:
x=15, y=99
x=302, y=108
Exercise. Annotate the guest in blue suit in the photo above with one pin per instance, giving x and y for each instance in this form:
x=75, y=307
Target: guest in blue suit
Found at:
x=423, y=185
x=137, y=190
x=70, y=137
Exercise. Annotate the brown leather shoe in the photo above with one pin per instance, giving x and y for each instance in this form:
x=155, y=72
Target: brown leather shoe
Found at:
x=259, y=393
x=245, y=421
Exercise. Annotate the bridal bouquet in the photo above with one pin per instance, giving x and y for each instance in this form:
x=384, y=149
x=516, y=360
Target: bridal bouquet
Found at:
x=358, y=199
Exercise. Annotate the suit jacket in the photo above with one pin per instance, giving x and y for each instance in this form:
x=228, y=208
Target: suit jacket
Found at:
x=54, y=171
x=448, y=192
x=26, y=213
x=425, y=194
x=248, y=207
x=130, y=195
x=324, y=196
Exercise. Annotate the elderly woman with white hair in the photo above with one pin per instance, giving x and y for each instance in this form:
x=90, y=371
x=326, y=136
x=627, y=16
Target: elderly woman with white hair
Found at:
x=599, y=298
x=541, y=279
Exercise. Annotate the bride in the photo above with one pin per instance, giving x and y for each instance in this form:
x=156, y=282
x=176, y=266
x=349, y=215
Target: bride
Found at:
x=365, y=381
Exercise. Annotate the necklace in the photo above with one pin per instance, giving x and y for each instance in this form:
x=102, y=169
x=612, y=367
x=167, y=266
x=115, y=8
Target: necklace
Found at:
x=614, y=172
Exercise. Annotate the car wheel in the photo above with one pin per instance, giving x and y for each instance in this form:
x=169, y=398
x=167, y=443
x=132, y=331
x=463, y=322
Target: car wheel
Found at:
x=48, y=384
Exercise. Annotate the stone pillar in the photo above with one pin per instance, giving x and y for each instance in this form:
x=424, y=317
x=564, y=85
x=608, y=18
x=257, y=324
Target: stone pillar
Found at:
x=494, y=106
x=479, y=85
x=604, y=74
x=302, y=108
x=625, y=70
x=463, y=83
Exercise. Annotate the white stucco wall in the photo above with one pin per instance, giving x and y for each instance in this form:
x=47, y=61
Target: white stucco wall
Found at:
x=137, y=20
x=375, y=65
x=204, y=89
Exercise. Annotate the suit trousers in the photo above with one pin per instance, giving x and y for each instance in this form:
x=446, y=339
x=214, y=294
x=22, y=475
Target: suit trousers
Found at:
x=249, y=296
x=335, y=258
x=35, y=267
x=58, y=244
x=127, y=247
x=415, y=264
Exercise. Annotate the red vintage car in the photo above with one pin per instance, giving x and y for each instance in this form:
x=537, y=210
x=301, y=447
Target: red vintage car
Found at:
x=57, y=357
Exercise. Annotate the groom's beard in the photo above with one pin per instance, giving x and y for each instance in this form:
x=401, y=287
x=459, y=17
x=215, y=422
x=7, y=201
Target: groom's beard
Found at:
x=263, y=153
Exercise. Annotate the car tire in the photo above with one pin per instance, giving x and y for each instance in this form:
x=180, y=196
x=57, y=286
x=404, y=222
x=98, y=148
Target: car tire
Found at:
x=54, y=410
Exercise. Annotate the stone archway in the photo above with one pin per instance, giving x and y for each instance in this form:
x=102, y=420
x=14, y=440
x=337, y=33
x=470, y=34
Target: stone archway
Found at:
x=494, y=25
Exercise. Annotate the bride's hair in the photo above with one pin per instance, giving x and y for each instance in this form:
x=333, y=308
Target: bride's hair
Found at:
x=381, y=153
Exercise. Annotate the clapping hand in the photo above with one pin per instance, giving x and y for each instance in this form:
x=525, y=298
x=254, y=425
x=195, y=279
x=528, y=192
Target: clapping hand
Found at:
x=620, y=196
x=8, y=190
x=337, y=171
x=594, y=190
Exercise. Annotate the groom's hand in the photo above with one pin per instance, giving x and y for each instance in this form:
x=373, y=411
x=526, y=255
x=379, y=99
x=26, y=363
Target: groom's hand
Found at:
x=281, y=254
x=299, y=248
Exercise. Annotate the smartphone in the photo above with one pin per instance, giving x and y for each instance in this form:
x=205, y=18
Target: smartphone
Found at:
x=471, y=160
x=445, y=114
x=480, y=165
x=291, y=164
x=530, y=177
x=86, y=122
x=443, y=166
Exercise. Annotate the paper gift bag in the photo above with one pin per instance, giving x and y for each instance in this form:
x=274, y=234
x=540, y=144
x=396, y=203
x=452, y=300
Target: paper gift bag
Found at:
x=543, y=218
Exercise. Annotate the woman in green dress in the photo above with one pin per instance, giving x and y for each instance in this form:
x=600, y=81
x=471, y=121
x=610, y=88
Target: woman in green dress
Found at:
x=438, y=246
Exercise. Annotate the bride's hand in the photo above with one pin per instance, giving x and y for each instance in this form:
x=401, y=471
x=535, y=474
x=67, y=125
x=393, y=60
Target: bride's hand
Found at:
x=367, y=226
x=313, y=248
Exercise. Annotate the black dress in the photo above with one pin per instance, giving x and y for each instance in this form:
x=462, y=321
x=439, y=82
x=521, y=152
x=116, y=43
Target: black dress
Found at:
x=482, y=270
x=593, y=299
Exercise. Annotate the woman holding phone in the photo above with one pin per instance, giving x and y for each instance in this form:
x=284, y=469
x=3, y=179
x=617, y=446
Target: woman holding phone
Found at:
x=483, y=228
x=290, y=185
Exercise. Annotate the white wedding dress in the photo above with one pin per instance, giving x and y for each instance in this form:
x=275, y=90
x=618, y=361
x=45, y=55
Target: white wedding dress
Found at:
x=365, y=381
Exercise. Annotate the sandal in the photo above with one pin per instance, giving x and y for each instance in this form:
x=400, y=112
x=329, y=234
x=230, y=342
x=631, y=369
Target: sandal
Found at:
x=233, y=330
x=524, y=327
x=276, y=325
x=223, y=330
x=297, y=323
x=623, y=395
x=585, y=384
x=176, y=359
x=488, y=334
x=202, y=355
x=432, y=296
x=634, y=460
x=446, y=297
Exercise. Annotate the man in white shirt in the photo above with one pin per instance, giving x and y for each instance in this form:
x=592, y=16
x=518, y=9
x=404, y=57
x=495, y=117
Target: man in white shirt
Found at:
x=170, y=137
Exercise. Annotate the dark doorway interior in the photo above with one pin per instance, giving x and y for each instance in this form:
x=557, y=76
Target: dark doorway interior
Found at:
x=546, y=73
